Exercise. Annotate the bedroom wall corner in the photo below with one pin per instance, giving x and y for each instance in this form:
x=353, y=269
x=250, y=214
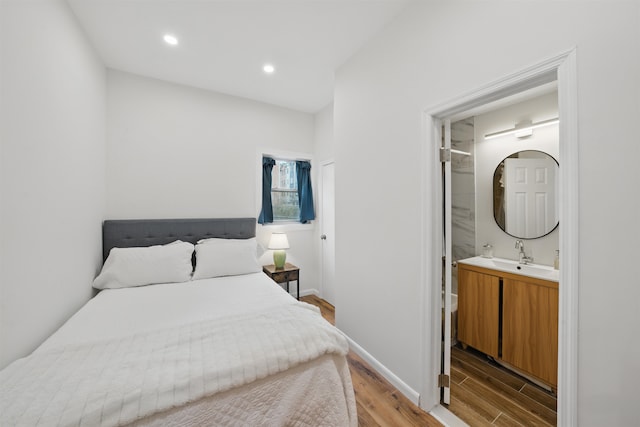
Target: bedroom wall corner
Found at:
x=323, y=141
x=52, y=174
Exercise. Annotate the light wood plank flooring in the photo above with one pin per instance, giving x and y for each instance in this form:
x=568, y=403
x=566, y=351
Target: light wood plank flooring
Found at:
x=377, y=401
x=484, y=393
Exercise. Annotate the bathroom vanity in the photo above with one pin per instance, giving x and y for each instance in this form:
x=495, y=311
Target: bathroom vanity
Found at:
x=509, y=311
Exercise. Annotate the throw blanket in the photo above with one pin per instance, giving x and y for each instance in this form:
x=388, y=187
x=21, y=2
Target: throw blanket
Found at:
x=119, y=381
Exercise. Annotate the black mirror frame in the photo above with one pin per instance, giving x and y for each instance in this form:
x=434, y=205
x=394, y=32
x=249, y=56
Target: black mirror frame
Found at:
x=495, y=184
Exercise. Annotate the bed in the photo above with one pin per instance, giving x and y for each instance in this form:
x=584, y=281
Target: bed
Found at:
x=227, y=347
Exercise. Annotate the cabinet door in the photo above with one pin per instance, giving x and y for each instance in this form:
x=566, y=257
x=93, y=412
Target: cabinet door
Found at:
x=478, y=310
x=530, y=329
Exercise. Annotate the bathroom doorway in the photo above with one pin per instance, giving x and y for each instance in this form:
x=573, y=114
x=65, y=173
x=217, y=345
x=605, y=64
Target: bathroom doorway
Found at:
x=560, y=69
x=484, y=225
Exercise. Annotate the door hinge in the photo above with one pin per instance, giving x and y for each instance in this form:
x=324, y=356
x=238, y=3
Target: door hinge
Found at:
x=445, y=154
x=444, y=381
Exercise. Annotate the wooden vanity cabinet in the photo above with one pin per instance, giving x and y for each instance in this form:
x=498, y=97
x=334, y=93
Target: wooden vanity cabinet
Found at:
x=530, y=327
x=510, y=317
x=478, y=310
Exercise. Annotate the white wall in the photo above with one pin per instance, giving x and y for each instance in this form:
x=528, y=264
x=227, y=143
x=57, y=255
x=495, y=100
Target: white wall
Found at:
x=180, y=152
x=52, y=171
x=323, y=141
x=489, y=153
x=431, y=54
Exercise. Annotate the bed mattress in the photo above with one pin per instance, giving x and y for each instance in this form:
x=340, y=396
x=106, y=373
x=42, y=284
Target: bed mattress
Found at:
x=118, y=312
x=303, y=384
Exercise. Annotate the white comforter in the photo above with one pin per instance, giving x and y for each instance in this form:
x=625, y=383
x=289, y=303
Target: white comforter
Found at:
x=118, y=378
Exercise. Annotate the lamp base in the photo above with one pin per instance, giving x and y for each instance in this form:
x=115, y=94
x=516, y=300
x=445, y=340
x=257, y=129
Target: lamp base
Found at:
x=279, y=258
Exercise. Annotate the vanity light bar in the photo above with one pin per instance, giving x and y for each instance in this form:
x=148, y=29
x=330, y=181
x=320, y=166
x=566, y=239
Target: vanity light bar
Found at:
x=522, y=131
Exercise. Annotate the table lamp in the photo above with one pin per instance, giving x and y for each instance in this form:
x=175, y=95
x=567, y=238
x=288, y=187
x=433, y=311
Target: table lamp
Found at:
x=279, y=243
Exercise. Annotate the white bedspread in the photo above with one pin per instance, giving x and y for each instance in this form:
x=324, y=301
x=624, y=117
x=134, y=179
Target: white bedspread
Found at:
x=113, y=378
x=117, y=312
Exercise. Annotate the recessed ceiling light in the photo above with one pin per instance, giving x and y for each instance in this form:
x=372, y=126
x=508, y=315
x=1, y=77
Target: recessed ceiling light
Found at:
x=268, y=68
x=170, y=39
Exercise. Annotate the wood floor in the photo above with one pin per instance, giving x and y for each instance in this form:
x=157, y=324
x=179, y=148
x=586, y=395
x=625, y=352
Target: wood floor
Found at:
x=377, y=401
x=484, y=393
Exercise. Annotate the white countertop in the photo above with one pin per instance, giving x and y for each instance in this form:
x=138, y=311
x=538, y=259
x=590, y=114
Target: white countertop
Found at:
x=544, y=272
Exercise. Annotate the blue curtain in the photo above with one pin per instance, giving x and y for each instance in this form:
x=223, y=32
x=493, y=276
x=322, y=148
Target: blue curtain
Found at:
x=266, y=214
x=305, y=194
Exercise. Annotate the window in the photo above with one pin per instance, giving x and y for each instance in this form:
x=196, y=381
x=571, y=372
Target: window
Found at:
x=284, y=191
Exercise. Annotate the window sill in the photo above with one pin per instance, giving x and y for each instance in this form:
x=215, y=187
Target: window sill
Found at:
x=288, y=226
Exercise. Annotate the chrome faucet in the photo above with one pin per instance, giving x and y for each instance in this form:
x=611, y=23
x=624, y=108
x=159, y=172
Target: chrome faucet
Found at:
x=523, y=258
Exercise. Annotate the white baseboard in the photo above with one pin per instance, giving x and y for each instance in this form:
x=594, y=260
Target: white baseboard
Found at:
x=305, y=292
x=402, y=387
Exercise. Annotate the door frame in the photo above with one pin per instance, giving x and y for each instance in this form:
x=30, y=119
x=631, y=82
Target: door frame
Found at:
x=321, y=207
x=447, y=250
x=563, y=69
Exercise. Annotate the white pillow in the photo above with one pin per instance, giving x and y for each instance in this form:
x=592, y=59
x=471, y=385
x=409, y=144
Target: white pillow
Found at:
x=226, y=257
x=128, y=267
x=260, y=250
x=223, y=241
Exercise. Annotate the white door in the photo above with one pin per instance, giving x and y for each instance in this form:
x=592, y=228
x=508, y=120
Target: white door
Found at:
x=328, y=233
x=530, y=196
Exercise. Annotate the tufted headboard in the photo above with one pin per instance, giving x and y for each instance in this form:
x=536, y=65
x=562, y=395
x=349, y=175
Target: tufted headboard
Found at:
x=148, y=232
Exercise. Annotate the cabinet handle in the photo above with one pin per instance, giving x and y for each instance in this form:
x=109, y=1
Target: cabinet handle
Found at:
x=323, y=237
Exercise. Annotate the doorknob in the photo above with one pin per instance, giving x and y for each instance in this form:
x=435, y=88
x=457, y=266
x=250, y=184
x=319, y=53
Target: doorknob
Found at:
x=323, y=237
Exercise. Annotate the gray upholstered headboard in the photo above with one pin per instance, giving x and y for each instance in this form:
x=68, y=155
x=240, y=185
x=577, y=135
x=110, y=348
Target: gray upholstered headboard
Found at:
x=148, y=232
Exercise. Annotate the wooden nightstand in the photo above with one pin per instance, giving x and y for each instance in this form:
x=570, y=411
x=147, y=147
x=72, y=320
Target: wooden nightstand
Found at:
x=289, y=273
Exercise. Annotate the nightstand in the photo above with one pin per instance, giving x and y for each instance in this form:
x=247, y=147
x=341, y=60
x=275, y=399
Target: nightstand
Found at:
x=285, y=275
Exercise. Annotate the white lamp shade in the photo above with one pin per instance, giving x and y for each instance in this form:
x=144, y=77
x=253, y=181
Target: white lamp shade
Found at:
x=279, y=241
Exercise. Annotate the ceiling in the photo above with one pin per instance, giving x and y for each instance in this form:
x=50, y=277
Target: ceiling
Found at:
x=223, y=44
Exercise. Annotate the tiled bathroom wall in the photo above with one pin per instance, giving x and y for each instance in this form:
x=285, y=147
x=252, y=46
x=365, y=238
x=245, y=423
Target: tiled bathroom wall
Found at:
x=463, y=210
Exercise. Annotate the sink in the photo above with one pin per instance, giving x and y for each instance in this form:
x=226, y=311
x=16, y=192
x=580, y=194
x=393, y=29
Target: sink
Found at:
x=538, y=271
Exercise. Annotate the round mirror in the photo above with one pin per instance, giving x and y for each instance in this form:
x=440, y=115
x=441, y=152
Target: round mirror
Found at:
x=525, y=194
